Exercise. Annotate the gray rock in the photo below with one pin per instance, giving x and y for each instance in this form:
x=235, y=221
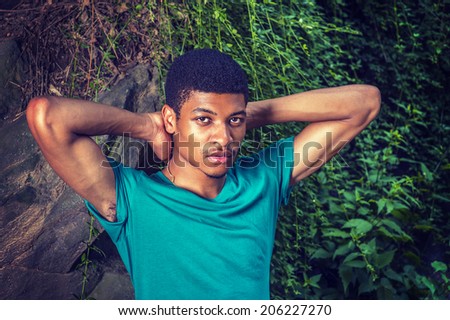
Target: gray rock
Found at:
x=12, y=75
x=113, y=286
x=31, y=284
x=44, y=225
x=137, y=92
x=64, y=240
x=28, y=187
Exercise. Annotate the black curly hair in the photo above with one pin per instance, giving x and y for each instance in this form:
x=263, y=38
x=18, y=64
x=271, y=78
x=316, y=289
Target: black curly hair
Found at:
x=205, y=70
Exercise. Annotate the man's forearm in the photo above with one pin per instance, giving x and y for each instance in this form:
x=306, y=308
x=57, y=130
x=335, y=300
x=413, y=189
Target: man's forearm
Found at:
x=353, y=102
x=89, y=118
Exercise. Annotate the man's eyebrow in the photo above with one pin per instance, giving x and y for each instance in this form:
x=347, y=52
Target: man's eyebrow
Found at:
x=199, y=109
x=242, y=112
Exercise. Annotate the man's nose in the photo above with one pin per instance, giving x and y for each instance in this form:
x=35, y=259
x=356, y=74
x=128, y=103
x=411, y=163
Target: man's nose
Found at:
x=223, y=135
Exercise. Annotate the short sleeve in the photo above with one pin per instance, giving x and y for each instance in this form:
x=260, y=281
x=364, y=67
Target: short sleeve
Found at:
x=126, y=180
x=276, y=163
x=278, y=159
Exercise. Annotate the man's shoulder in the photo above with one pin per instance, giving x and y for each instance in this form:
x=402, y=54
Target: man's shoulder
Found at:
x=130, y=176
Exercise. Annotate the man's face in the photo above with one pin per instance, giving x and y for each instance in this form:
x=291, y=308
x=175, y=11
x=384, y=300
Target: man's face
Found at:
x=209, y=131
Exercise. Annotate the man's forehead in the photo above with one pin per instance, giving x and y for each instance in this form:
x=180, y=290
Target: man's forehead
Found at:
x=202, y=95
x=214, y=103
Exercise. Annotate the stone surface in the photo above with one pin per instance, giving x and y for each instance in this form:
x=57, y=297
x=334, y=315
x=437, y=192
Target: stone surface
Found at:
x=44, y=225
x=137, y=92
x=31, y=284
x=113, y=286
x=9, y=4
x=12, y=74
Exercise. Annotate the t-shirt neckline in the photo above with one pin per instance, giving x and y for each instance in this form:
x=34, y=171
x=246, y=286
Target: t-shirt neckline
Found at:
x=222, y=194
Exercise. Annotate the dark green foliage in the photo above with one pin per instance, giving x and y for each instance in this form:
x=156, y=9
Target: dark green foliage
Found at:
x=372, y=223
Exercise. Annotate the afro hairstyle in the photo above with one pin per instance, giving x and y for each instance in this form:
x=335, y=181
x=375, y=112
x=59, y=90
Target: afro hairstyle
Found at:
x=205, y=70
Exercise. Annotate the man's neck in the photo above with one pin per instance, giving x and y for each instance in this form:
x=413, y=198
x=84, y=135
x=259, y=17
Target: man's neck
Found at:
x=194, y=180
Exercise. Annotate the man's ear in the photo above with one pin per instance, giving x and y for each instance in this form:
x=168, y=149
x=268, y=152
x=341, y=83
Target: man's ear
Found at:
x=170, y=119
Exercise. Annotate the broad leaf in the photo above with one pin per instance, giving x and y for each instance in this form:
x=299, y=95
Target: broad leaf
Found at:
x=346, y=275
x=360, y=225
x=385, y=258
x=439, y=266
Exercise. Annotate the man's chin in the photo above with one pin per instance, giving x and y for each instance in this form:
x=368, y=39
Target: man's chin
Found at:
x=216, y=176
x=216, y=173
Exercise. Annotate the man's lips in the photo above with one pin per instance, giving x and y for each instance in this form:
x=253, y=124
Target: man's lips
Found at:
x=219, y=157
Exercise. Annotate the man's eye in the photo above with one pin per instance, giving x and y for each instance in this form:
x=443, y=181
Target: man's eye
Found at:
x=236, y=120
x=203, y=120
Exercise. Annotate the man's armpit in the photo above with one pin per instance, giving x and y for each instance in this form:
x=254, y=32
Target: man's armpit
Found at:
x=110, y=212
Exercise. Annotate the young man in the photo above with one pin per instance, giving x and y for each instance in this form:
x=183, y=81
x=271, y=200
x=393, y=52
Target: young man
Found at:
x=202, y=228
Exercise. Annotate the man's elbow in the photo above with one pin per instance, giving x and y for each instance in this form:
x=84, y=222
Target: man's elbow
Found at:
x=367, y=104
x=37, y=113
x=372, y=102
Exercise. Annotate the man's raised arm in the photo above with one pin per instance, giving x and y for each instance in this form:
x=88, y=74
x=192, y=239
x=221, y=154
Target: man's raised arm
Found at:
x=62, y=128
x=336, y=116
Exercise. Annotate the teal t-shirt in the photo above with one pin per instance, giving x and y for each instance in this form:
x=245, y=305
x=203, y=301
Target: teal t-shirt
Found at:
x=178, y=245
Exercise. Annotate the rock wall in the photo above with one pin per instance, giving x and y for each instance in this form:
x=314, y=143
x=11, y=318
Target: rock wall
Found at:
x=12, y=75
x=44, y=225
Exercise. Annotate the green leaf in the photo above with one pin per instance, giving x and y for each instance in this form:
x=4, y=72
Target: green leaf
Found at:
x=386, y=283
x=313, y=281
x=346, y=275
x=423, y=227
x=355, y=264
x=352, y=256
x=331, y=232
x=350, y=261
x=343, y=249
x=393, y=226
x=414, y=258
x=360, y=225
x=349, y=206
x=391, y=274
x=385, y=258
x=389, y=206
x=334, y=208
x=386, y=232
x=428, y=284
x=349, y=196
x=366, y=286
x=439, y=266
x=373, y=176
x=428, y=175
x=321, y=254
x=363, y=211
x=368, y=248
x=440, y=197
x=399, y=205
x=381, y=204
